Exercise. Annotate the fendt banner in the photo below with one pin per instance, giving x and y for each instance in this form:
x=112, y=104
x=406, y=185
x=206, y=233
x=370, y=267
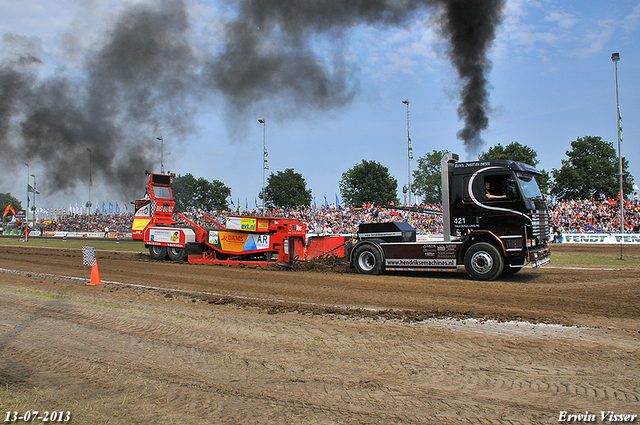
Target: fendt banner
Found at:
x=601, y=238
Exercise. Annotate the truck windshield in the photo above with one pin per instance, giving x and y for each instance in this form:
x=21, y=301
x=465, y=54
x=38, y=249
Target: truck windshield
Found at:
x=162, y=192
x=528, y=186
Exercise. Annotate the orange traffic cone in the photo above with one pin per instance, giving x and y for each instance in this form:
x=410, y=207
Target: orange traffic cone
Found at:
x=95, y=275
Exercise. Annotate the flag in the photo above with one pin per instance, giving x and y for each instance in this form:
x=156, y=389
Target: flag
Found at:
x=117, y=209
x=104, y=209
x=337, y=201
x=314, y=201
x=246, y=202
x=620, y=123
x=110, y=208
x=32, y=189
x=410, y=149
x=266, y=159
x=88, y=256
x=325, y=201
x=232, y=204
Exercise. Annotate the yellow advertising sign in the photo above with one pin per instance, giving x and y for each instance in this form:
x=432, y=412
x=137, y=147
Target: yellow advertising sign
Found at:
x=232, y=241
x=263, y=224
x=248, y=224
x=140, y=223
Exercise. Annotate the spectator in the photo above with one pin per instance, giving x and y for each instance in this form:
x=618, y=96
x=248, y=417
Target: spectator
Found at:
x=570, y=216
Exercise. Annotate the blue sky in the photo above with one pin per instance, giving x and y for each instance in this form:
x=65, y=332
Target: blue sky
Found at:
x=552, y=80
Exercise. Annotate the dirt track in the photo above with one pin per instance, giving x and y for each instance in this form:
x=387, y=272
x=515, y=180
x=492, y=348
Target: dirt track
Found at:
x=243, y=345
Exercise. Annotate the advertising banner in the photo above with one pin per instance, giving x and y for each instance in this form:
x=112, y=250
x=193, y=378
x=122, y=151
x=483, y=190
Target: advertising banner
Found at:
x=601, y=238
x=251, y=224
x=238, y=242
x=169, y=236
x=140, y=223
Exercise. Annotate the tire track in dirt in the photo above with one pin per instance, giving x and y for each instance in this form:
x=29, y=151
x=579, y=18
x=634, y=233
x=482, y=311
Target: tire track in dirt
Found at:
x=474, y=381
x=146, y=356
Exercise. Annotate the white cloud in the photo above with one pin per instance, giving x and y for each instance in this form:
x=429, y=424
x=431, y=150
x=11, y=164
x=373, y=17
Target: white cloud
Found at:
x=409, y=51
x=563, y=19
x=595, y=40
x=632, y=20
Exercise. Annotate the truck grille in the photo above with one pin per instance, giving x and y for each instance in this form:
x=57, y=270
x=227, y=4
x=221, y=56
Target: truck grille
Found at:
x=540, y=223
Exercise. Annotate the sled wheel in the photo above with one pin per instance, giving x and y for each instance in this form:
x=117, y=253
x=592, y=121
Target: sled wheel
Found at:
x=158, y=252
x=175, y=253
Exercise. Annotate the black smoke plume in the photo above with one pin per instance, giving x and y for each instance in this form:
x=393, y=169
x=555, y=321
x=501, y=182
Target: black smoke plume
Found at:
x=470, y=27
x=146, y=74
x=268, y=51
x=140, y=78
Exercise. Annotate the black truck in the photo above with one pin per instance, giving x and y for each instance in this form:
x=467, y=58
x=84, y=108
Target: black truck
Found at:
x=495, y=222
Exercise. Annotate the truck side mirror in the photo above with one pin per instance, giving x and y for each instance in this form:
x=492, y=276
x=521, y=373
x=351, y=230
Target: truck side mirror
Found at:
x=512, y=192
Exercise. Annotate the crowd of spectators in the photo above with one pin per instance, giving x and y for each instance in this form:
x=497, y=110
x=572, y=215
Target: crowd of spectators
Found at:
x=94, y=223
x=331, y=219
x=586, y=216
x=570, y=216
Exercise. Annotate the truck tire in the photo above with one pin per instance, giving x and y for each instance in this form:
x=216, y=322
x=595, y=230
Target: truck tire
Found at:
x=176, y=253
x=368, y=260
x=483, y=262
x=158, y=252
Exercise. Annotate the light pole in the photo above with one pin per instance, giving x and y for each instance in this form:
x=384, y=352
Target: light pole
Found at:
x=90, y=182
x=265, y=160
x=615, y=57
x=161, y=153
x=26, y=217
x=34, y=199
x=409, y=153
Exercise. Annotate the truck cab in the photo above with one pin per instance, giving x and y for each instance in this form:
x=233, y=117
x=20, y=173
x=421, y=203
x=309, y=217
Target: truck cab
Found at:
x=156, y=207
x=495, y=221
x=498, y=202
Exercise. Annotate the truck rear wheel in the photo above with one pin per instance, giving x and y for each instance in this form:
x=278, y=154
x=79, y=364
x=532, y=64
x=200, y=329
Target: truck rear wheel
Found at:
x=368, y=260
x=175, y=253
x=158, y=252
x=483, y=262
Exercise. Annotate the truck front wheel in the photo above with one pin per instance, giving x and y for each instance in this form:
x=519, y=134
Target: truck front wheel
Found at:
x=483, y=262
x=368, y=260
x=158, y=252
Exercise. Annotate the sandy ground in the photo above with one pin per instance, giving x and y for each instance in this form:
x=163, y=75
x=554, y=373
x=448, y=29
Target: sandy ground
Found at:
x=164, y=343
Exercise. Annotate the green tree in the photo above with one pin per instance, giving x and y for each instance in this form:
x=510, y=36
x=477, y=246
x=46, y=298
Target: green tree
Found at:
x=184, y=192
x=368, y=182
x=591, y=171
x=190, y=193
x=287, y=189
x=6, y=199
x=211, y=195
x=427, y=178
x=514, y=151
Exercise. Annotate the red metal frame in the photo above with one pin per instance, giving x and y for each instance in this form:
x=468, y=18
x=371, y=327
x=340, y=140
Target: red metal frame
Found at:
x=284, y=238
